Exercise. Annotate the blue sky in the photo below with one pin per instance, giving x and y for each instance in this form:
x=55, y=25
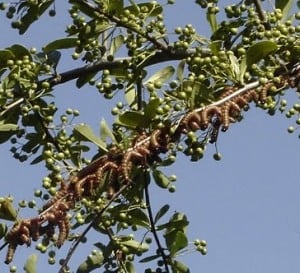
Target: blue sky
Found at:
x=246, y=206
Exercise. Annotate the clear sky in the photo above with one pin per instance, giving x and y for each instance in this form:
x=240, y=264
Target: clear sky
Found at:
x=246, y=206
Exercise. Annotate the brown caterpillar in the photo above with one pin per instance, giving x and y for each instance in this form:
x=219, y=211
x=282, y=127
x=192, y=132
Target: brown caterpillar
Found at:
x=207, y=114
x=127, y=162
x=64, y=229
x=192, y=121
x=11, y=249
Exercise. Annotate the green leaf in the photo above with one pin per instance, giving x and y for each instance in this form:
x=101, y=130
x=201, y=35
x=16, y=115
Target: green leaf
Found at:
x=5, y=55
x=37, y=160
x=130, y=96
x=150, y=258
x=129, y=267
x=115, y=7
x=60, y=44
x=7, y=210
x=32, y=13
x=116, y=43
x=88, y=134
x=84, y=8
x=162, y=75
x=3, y=230
x=8, y=127
x=19, y=51
x=180, y=71
x=234, y=67
x=53, y=58
x=150, y=109
x=179, y=267
x=163, y=210
x=139, y=218
x=285, y=6
x=93, y=261
x=175, y=241
x=161, y=179
x=136, y=246
x=105, y=132
x=30, y=265
x=259, y=51
x=133, y=119
x=243, y=69
x=178, y=221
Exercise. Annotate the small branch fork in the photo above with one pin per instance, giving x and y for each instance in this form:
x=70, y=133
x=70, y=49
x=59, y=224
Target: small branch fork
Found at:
x=117, y=165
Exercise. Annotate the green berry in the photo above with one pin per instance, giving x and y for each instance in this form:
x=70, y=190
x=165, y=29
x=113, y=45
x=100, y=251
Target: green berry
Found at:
x=217, y=156
x=291, y=129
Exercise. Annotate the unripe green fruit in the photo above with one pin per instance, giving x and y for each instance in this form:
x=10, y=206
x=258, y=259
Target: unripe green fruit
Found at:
x=75, y=56
x=52, y=12
x=291, y=129
x=51, y=253
x=148, y=240
x=172, y=188
x=173, y=178
x=38, y=193
x=115, y=111
x=76, y=112
x=217, y=156
x=51, y=260
x=31, y=204
x=3, y=6
x=12, y=269
x=22, y=204
x=45, y=85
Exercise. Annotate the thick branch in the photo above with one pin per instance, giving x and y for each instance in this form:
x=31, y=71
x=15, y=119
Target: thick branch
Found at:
x=158, y=57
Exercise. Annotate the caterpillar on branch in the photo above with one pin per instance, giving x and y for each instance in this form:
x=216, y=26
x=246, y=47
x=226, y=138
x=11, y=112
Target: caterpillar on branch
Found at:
x=116, y=167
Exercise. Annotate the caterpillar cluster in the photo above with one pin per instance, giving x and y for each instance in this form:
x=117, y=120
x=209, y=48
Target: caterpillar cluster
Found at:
x=223, y=115
x=116, y=166
x=27, y=230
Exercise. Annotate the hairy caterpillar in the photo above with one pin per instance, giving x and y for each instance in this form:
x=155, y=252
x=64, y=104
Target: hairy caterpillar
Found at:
x=132, y=156
x=11, y=249
x=64, y=229
x=207, y=114
x=192, y=121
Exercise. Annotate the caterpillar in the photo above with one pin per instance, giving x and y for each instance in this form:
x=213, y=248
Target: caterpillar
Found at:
x=191, y=122
x=64, y=229
x=207, y=114
x=61, y=193
x=225, y=116
x=126, y=164
x=11, y=249
x=252, y=95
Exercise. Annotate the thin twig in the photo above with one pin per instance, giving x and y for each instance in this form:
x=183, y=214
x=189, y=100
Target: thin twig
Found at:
x=153, y=230
x=12, y=105
x=259, y=10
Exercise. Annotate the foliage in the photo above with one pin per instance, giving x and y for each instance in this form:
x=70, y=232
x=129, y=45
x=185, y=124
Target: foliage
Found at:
x=250, y=57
